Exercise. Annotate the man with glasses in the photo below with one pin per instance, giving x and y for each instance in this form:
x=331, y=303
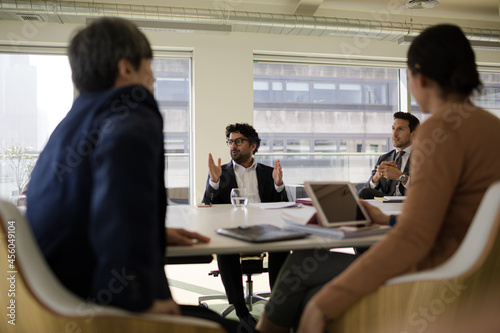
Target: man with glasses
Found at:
x=263, y=183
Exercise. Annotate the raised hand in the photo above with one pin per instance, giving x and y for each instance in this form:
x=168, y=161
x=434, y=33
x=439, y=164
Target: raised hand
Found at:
x=215, y=170
x=278, y=173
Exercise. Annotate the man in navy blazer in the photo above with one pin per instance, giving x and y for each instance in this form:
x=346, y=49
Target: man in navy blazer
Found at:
x=267, y=192
x=97, y=199
x=264, y=184
x=391, y=175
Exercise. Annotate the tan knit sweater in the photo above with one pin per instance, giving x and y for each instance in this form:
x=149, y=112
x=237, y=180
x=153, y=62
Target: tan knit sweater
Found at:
x=456, y=156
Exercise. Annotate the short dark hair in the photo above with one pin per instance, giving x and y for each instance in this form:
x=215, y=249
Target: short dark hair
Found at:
x=444, y=54
x=94, y=52
x=246, y=130
x=413, y=121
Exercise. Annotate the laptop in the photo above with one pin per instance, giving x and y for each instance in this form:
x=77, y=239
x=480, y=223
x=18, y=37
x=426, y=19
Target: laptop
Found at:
x=261, y=233
x=337, y=204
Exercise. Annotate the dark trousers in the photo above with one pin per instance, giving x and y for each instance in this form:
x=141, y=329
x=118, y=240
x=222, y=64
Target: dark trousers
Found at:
x=231, y=275
x=370, y=193
x=231, y=326
x=303, y=274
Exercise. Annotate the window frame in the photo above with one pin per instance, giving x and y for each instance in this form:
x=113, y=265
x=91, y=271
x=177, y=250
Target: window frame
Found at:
x=158, y=53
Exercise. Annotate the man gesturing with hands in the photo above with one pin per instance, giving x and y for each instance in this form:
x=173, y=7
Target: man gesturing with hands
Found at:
x=263, y=183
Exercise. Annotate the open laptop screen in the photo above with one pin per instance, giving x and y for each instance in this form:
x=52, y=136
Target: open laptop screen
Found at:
x=337, y=203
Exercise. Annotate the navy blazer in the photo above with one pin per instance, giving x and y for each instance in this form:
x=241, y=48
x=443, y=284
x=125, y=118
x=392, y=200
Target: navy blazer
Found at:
x=267, y=191
x=384, y=184
x=97, y=201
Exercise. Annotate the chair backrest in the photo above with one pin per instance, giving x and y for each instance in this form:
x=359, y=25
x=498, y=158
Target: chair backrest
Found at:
x=38, y=289
x=33, y=266
x=474, y=248
x=440, y=299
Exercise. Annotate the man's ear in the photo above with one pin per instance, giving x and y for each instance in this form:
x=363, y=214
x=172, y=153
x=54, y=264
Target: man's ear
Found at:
x=253, y=146
x=412, y=135
x=124, y=68
x=124, y=72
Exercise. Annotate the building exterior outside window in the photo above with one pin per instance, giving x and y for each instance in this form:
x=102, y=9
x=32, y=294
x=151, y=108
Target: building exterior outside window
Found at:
x=36, y=92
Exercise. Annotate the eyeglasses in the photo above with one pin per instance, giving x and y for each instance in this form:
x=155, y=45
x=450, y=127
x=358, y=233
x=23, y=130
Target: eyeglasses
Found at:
x=238, y=142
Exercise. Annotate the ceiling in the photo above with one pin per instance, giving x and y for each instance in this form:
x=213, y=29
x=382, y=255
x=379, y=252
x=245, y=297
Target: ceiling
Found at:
x=480, y=10
x=376, y=19
x=483, y=10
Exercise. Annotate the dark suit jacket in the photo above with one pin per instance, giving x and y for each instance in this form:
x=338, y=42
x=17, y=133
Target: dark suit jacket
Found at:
x=267, y=191
x=384, y=184
x=97, y=201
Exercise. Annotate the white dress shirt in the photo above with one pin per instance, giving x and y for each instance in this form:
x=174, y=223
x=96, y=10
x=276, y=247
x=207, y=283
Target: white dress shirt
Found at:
x=247, y=178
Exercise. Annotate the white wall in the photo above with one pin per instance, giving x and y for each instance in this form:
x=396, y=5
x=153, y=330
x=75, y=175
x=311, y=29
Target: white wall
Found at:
x=223, y=72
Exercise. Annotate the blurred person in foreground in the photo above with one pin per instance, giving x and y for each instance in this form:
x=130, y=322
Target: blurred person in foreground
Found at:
x=97, y=199
x=452, y=164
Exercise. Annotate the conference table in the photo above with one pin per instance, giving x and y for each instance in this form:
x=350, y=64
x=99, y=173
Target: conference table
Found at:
x=206, y=220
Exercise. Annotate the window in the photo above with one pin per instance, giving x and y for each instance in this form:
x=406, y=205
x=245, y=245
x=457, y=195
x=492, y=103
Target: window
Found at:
x=173, y=93
x=335, y=121
x=324, y=93
x=36, y=92
x=325, y=146
x=489, y=98
x=350, y=94
x=278, y=145
x=172, y=89
x=277, y=91
x=261, y=91
x=376, y=94
x=297, y=146
x=297, y=92
x=377, y=146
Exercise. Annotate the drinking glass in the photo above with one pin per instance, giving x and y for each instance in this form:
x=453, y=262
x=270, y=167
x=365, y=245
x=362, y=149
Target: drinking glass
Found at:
x=239, y=197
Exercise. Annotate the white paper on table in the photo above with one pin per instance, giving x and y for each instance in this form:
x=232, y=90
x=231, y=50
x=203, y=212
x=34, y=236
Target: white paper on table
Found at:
x=276, y=205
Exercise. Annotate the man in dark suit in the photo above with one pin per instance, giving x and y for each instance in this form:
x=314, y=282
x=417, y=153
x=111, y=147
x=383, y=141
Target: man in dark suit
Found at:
x=391, y=174
x=263, y=183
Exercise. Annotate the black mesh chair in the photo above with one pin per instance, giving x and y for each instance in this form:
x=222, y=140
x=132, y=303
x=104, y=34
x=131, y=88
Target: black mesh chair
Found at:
x=251, y=264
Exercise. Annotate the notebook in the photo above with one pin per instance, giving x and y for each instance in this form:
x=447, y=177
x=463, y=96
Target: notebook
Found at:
x=260, y=233
x=343, y=232
x=337, y=204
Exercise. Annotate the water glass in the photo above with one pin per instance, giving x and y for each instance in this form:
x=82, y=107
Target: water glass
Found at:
x=239, y=197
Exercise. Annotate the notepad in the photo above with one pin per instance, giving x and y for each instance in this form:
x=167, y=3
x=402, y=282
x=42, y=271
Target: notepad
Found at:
x=393, y=198
x=276, y=205
x=261, y=233
x=299, y=222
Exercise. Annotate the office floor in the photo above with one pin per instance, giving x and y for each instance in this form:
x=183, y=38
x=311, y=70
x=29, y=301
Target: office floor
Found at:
x=188, y=282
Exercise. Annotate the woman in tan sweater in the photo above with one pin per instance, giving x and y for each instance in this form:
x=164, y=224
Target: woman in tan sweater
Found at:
x=453, y=163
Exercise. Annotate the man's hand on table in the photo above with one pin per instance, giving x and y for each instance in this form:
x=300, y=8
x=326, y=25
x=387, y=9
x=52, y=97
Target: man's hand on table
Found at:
x=179, y=236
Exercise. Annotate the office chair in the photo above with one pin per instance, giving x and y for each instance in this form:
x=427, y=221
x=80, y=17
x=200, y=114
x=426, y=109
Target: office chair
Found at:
x=436, y=299
x=43, y=304
x=251, y=264
x=177, y=196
